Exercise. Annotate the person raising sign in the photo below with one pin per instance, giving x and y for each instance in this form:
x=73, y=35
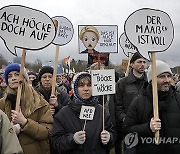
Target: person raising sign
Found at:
x=140, y=117
x=34, y=121
x=72, y=135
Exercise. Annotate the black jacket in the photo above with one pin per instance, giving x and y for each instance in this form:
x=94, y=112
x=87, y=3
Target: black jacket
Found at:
x=127, y=89
x=67, y=122
x=138, y=119
x=62, y=97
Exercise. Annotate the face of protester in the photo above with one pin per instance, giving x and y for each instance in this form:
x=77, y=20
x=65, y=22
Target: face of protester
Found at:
x=31, y=78
x=84, y=88
x=3, y=84
x=164, y=82
x=64, y=79
x=139, y=66
x=46, y=80
x=89, y=40
x=13, y=78
x=59, y=78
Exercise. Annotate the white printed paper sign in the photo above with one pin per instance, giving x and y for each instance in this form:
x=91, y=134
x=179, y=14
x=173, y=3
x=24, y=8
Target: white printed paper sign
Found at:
x=98, y=38
x=103, y=82
x=64, y=32
x=87, y=112
x=26, y=28
x=149, y=30
x=127, y=46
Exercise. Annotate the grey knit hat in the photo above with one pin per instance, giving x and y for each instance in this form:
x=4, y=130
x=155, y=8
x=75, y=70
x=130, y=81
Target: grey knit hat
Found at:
x=161, y=67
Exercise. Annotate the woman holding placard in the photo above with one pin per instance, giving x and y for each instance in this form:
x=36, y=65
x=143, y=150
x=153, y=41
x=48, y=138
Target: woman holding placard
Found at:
x=78, y=126
x=33, y=122
x=60, y=98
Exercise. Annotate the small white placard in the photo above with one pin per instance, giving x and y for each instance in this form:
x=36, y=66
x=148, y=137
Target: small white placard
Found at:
x=103, y=82
x=87, y=112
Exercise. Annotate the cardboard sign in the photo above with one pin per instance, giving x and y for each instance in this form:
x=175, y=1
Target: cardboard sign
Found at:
x=98, y=38
x=64, y=32
x=126, y=45
x=103, y=82
x=93, y=58
x=25, y=28
x=149, y=30
x=87, y=112
x=124, y=64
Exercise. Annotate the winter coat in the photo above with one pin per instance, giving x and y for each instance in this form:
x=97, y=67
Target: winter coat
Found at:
x=127, y=89
x=62, y=97
x=138, y=119
x=67, y=122
x=34, y=136
x=9, y=142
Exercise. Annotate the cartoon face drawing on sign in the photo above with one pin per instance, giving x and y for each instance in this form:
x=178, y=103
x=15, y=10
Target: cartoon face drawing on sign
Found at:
x=89, y=36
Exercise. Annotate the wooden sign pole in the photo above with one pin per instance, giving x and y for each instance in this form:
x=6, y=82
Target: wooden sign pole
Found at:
x=99, y=67
x=103, y=113
x=55, y=71
x=99, y=63
x=20, y=80
x=55, y=64
x=127, y=69
x=155, y=94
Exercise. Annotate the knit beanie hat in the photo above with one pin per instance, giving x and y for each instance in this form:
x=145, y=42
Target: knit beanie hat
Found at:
x=161, y=67
x=32, y=73
x=45, y=69
x=135, y=57
x=13, y=67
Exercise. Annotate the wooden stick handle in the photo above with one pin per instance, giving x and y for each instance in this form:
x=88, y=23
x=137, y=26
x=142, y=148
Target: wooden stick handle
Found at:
x=127, y=69
x=55, y=71
x=84, y=125
x=99, y=64
x=55, y=63
x=103, y=113
x=18, y=99
x=155, y=94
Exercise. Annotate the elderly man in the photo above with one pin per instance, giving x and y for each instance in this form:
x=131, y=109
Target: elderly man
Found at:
x=140, y=118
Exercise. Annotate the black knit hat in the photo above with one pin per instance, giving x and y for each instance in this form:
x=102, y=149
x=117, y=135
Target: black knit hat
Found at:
x=45, y=69
x=135, y=57
x=32, y=73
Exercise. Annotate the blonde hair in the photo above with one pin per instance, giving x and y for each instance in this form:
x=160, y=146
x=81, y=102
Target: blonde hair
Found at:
x=88, y=29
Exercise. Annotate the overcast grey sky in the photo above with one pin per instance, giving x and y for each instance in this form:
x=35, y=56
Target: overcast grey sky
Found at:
x=97, y=12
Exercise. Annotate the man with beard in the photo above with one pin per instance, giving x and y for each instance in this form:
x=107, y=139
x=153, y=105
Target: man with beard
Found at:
x=140, y=118
x=127, y=89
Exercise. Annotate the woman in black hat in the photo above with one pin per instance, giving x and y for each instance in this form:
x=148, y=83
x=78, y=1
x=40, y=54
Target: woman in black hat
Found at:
x=56, y=101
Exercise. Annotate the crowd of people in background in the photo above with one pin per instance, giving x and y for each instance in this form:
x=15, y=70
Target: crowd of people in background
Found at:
x=49, y=123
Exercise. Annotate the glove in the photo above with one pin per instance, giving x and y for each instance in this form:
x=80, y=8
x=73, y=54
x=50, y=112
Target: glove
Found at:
x=17, y=128
x=80, y=137
x=105, y=137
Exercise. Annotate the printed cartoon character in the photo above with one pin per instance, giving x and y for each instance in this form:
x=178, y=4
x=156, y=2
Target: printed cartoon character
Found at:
x=89, y=36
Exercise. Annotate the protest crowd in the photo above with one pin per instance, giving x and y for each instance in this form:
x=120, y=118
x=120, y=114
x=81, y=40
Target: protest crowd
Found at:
x=94, y=111
x=50, y=123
